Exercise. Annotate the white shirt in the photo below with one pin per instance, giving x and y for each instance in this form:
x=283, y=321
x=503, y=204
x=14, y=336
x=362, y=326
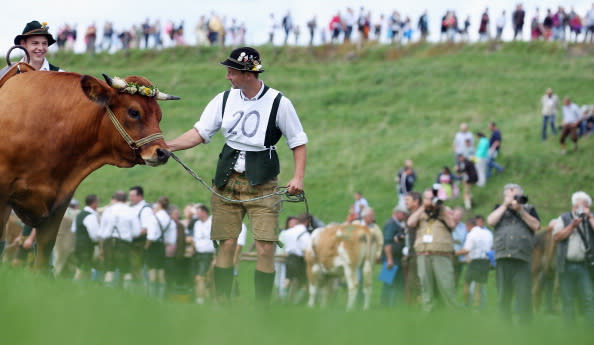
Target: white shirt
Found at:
x=590, y=17
x=168, y=226
x=286, y=120
x=295, y=239
x=478, y=242
x=202, y=241
x=348, y=18
x=500, y=23
x=576, y=250
x=571, y=113
x=45, y=66
x=242, y=236
x=549, y=104
x=144, y=217
x=117, y=222
x=359, y=205
x=91, y=222
x=272, y=25
x=459, y=140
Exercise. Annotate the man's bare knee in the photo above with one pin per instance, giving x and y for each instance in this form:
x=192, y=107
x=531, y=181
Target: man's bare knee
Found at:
x=265, y=248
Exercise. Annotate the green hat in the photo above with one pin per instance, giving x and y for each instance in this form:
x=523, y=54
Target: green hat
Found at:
x=35, y=28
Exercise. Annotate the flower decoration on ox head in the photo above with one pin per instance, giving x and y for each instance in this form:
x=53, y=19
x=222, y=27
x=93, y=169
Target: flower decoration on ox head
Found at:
x=134, y=88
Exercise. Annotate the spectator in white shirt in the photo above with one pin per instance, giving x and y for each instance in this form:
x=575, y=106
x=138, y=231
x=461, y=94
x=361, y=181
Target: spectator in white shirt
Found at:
x=204, y=250
x=500, y=24
x=281, y=284
x=358, y=206
x=478, y=242
x=460, y=139
x=571, y=120
x=295, y=240
x=86, y=229
x=142, y=214
x=159, y=238
x=549, y=102
x=118, y=227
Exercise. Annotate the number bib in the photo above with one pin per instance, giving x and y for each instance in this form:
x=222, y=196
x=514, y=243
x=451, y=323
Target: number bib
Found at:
x=245, y=122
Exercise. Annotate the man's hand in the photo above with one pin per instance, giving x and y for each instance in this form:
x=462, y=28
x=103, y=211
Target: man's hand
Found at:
x=576, y=222
x=28, y=243
x=508, y=199
x=516, y=206
x=389, y=263
x=295, y=186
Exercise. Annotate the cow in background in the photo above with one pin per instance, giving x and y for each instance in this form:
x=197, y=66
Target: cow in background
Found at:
x=339, y=251
x=57, y=128
x=544, y=282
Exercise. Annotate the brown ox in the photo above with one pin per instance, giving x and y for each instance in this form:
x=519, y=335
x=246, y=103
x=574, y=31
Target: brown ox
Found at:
x=340, y=251
x=56, y=131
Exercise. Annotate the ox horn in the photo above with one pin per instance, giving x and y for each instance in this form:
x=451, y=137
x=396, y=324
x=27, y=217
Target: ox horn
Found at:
x=165, y=97
x=107, y=79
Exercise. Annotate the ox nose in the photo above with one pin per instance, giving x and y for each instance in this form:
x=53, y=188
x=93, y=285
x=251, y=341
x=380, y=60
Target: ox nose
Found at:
x=163, y=155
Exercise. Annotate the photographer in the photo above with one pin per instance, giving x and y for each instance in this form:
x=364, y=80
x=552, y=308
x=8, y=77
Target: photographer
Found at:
x=514, y=222
x=573, y=233
x=433, y=246
x=394, y=241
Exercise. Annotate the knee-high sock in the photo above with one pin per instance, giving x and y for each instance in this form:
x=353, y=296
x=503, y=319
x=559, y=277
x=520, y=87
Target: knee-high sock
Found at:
x=263, y=283
x=223, y=278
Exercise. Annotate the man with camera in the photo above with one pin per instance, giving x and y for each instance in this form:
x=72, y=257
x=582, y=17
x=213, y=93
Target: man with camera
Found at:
x=514, y=222
x=434, y=249
x=574, y=235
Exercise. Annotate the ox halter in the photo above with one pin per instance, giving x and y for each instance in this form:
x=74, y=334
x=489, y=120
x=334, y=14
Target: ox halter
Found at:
x=134, y=144
x=142, y=90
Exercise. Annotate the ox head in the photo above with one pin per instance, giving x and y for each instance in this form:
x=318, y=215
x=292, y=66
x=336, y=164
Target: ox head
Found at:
x=133, y=103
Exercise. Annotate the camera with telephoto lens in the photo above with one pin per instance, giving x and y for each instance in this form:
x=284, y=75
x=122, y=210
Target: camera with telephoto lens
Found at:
x=581, y=213
x=521, y=199
x=436, y=201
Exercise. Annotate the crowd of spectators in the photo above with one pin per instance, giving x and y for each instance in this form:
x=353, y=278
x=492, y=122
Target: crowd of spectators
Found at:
x=346, y=25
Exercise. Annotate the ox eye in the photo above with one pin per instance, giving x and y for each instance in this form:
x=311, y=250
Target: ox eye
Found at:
x=134, y=113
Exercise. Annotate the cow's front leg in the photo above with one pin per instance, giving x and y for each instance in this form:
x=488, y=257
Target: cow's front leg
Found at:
x=46, y=234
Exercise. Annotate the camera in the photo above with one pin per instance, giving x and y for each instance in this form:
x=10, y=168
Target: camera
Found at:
x=581, y=213
x=521, y=199
x=436, y=201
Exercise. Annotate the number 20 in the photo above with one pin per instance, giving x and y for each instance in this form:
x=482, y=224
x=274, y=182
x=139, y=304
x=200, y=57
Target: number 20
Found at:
x=245, y=118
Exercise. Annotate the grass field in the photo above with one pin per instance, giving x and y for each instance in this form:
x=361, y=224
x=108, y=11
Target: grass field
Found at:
x=365, y=112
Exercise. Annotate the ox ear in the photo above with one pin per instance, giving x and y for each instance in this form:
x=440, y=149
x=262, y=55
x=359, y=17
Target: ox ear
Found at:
x=95, y=90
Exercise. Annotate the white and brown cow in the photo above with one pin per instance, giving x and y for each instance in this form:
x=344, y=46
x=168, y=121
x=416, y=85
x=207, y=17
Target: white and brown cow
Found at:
x=339, y=251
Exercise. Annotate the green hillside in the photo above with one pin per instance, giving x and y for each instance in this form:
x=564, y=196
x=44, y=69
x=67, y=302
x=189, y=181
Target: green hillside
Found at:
x=368, y=110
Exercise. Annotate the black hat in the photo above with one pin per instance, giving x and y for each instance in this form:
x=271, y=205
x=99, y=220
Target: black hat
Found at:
x=35, y=28
x=244, y=59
